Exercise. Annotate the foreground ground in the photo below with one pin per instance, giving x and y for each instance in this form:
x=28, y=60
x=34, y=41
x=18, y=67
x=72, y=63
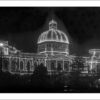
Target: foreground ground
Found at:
x=46, y=84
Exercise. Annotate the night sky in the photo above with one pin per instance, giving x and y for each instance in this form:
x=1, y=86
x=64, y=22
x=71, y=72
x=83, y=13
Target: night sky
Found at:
x=22, y=26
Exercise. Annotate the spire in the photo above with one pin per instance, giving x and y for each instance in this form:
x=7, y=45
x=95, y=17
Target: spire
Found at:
x=53, y=24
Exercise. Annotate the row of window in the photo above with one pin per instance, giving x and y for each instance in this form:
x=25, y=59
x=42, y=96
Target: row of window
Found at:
x=55, y=47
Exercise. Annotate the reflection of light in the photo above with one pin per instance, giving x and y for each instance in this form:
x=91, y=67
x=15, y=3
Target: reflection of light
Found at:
x=1, y=44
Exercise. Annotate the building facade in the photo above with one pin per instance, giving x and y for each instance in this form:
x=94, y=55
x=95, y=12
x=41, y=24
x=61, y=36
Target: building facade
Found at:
x=53, y=52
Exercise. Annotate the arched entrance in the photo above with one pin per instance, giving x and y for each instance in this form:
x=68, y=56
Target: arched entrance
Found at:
x=53, y=65
x=66, y=65
x=21, y=65
x=5, y=66
x=28, y=66
x=35, y=65
x=59, y=68
x=14, y=66
x=59, y=65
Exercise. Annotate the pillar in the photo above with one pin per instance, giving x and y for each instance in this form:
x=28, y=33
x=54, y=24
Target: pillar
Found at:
x=70, y=67
x=25, y=64
x=9, y=63
x=19, y=63
x=32, y=64
x=63, y=65
x=56, y=64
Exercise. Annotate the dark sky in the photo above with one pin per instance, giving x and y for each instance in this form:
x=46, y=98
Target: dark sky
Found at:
x=22, y=26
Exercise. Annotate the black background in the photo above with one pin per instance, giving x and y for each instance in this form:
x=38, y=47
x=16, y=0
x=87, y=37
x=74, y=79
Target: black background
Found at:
x=21, y=26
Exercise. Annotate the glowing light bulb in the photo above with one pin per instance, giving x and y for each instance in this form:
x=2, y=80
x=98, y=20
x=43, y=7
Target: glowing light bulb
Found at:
x=1, y=44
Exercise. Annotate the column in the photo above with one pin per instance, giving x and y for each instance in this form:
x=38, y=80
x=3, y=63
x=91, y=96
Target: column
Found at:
x=56, y=64
x=32, y=64
x=69, y=67
x=63, y=65
x=25, y=64
x=47, y=65
x=19, y=64
x=9, y=63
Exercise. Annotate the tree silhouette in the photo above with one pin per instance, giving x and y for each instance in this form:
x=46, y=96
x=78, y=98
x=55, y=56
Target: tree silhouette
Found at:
x=40, y=79
x=28, y=66
x=59, y=67
x=40, y=71
x=77, y=67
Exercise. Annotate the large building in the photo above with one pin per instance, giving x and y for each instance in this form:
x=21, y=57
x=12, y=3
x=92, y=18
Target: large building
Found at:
x=53, y=52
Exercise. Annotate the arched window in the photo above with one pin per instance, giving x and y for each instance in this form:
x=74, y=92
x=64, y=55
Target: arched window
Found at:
x=35, y=65
x=28, y=66
x=98, y=68
x=16, y=65
x=66, y=65
x=53, y=66
x=21, y=66
x=5, y=64
x=13, y=65
x=59, y=67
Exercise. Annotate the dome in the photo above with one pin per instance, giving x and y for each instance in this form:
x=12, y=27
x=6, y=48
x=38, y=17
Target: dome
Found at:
x=53, y=34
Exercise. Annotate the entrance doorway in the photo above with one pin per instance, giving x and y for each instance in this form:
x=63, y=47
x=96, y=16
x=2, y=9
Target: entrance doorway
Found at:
x=59, y=65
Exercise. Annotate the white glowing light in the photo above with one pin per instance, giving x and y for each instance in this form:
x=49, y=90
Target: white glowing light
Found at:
x=46, y=56
x=93, y=61
x=1, y=44
x=52, y=51
x=55, y=51
x=53, y=34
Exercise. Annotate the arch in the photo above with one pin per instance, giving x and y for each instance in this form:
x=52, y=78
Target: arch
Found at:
x=21, y=65
x=28, y=66
x=66, y=65
x=41, y=62
x=53, y=65
x=5, y=66
x=35, y=64
x=98, y=68
x=13, y=65
x=59, y=66
x=17, y=64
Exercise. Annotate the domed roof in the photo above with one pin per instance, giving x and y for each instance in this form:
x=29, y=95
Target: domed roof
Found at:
x=53, y=34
